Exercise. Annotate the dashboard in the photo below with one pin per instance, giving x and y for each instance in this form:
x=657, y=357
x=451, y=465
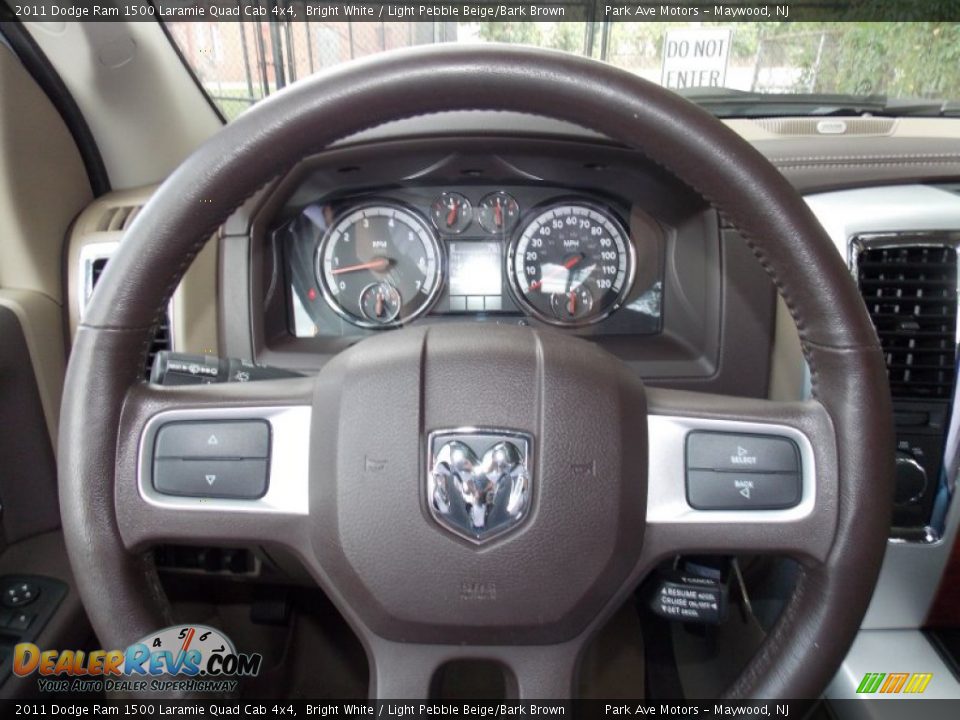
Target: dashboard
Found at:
x=699, y=312
x=578, y=236
x=384, y=259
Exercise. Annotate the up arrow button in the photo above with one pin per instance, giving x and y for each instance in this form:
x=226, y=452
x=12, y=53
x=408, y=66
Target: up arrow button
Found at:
x=223, y=439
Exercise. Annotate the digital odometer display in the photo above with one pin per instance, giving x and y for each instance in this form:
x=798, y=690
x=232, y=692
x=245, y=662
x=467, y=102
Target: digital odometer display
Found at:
x=572, y=264
x=475, y=268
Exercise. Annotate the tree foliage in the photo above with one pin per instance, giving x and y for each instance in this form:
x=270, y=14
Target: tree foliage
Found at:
x=568, y=36
x=899, y=59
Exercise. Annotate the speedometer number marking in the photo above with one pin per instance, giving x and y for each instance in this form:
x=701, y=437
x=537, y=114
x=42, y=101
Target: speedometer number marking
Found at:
x=572, y=264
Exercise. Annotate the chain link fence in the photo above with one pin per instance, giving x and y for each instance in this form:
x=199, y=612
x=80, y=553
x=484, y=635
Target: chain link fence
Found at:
x=797, y=62
x=239, y=63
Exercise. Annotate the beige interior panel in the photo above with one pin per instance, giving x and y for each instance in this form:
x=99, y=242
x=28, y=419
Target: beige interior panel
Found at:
x=194, y=323
x=787, y=366
x=43, y=183
x=146, y=114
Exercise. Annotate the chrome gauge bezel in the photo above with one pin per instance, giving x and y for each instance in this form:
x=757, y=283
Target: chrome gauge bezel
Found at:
x=428, y=231
x=538, y=212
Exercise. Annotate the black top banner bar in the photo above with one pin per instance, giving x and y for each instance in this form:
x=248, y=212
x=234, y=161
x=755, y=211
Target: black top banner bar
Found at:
x=487, y=10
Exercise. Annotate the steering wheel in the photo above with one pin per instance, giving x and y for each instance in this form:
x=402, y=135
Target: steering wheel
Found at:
x=351, y=448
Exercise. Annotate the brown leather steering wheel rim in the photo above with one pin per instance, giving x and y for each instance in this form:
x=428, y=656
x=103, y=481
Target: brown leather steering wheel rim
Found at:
x=121, y=591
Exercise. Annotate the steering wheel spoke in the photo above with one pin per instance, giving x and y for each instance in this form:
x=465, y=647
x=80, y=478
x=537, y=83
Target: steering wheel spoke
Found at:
x=401, y=671
x=734, y=475
x=214, y=463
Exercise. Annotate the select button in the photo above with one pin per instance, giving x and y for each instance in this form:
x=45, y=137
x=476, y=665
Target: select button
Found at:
x=242, y=479
x=745, y=453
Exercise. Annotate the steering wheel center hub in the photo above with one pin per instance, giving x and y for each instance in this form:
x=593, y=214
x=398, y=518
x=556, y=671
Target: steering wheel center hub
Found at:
x=480, y=480
x=462, y=503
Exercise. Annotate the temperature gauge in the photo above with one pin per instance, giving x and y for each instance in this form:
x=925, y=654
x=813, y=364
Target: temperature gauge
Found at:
x=572, y=305
x=452, y=213
x=498, y=212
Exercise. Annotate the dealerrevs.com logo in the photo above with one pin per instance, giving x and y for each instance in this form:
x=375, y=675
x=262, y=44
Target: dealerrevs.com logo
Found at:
x=191, y=658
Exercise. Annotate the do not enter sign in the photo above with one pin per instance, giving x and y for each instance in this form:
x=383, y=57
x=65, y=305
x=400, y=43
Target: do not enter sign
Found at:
x=695, y=58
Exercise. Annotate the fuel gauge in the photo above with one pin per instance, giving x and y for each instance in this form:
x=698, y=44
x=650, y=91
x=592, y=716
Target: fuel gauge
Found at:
x=380, y=302
x=498, y=212
x=452, y=213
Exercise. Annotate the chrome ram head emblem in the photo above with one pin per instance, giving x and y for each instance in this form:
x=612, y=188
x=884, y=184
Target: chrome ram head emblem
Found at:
x=479, y=481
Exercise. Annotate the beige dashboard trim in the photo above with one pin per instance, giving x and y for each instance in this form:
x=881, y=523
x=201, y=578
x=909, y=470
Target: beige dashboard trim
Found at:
x=904, y=127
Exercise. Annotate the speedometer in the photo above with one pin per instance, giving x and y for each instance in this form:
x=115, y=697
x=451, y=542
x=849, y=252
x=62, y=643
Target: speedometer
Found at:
x=379, y=266
x=572, y=264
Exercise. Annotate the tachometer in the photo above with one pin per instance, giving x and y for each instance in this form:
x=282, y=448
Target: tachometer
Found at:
x=379, y=266
x=573, y=264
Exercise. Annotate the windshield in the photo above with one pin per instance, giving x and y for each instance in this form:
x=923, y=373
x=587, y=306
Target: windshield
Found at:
x=748, y=69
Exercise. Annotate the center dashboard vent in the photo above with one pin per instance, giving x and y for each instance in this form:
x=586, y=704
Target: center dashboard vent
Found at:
x=909, y=285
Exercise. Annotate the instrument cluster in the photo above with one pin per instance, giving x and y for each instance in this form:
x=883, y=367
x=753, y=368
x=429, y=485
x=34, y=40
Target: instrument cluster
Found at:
x=380, y=260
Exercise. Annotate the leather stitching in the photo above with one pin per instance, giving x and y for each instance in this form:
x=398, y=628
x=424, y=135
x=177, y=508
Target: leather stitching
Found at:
x=898, y=163
x=833, y=158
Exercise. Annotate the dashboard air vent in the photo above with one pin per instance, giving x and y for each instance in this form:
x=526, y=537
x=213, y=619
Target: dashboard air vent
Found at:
x=910, y=291
x=96, y=270
x=162, y=339
x=800, y=127
x=118, y=219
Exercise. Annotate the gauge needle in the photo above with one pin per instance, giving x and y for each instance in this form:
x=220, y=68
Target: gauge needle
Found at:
x=377, y=265
x=498, y=213
x=452, y=214
x=568, y=265
x=379, y=307
x=572, y=303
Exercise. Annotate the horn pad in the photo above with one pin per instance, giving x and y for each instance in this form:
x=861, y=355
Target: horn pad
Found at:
x=480, y=486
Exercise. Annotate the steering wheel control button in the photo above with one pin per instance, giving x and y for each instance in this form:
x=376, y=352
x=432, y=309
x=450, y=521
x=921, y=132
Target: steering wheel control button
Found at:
x=19, y=594
x=712, y=490
x=20, y=621
x=213, y=478
x=222, y=440
x=746, y=453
